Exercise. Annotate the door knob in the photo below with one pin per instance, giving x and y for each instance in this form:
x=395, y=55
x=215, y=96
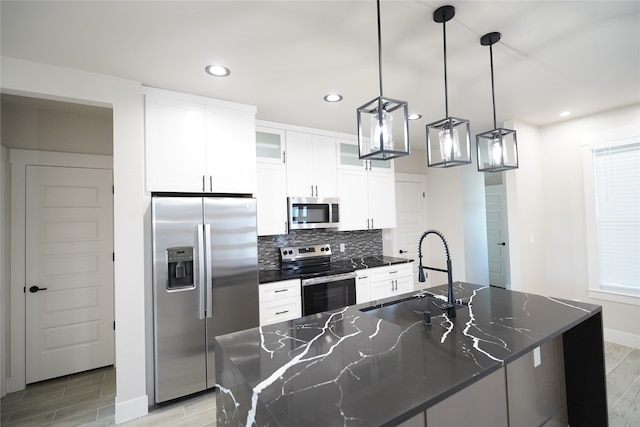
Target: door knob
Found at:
x=501, y=244
x=35, y=289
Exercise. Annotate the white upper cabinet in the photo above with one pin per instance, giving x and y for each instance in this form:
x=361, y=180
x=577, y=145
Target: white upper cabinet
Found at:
x=174, y=140
x=271, y=191
x=366, y=190
x=230, y=151
x=197, y=144
x=311, y=165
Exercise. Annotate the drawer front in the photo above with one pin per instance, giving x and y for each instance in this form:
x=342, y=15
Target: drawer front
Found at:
x=280, y=310
x=390, y=272
x=276, y=291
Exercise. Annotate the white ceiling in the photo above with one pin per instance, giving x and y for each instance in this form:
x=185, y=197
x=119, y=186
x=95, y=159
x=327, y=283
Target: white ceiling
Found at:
x=284, y=56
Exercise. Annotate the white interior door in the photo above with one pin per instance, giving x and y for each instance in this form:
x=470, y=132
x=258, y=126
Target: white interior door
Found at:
x=69, y=256
x=411, y=218
x=497, y=235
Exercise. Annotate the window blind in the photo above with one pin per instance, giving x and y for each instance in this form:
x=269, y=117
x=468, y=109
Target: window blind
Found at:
x=617, y=179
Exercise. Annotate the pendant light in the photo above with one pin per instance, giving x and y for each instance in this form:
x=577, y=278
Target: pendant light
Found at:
x=383, y=129
x=448, y=141
x=497, y=148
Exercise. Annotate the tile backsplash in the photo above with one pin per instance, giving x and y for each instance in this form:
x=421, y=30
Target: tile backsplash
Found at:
x=357, y=244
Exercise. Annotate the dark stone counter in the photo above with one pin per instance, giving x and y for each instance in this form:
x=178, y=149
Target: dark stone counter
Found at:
x=351, y=367
x=268, y=276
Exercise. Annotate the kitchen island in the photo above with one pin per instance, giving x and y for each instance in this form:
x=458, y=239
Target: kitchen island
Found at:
x=508, y=358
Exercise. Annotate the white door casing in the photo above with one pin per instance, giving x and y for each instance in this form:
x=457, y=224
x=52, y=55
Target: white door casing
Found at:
x=411, y=219
x=497, y=235
x=69, y=251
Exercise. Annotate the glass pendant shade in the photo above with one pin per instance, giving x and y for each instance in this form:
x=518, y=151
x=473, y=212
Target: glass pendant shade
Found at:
x=448, y=143
x=383, y=136
x=497, y=150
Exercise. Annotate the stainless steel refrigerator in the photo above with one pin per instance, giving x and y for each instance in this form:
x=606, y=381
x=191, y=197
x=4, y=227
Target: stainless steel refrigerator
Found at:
x=205, y=283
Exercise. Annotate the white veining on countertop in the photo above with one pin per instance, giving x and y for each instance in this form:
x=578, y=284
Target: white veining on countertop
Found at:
x=449, y=329
x=224, y=390
x=299, y=358
x=568, y=305
x=476, y=340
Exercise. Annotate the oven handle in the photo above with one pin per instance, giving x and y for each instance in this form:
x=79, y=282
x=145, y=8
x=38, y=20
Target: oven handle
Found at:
x=329, y=278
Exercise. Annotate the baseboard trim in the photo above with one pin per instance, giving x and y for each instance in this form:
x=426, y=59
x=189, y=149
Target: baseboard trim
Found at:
x=131, y=409
x=622, y=338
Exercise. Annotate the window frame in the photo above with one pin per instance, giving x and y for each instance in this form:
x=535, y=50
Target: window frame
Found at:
x=591, y=142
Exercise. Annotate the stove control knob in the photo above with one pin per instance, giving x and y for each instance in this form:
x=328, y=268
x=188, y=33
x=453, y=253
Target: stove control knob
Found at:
x=290, y=252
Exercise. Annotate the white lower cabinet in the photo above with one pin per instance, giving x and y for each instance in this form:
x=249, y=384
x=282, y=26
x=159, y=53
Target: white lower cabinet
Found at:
x=280, y=301
x=363, y=286
x=391, y=280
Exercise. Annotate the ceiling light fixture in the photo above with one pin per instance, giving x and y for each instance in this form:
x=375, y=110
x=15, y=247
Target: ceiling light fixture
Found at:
x=333, y=97
x=380, y=138
x=448, y=141
x=217, y=70
x=414, y=116
x=565, y=113
x=497, y=148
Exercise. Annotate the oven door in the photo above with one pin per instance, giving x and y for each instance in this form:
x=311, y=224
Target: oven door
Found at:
x=328, y=292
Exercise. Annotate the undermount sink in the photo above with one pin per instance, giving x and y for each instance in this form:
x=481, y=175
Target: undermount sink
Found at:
x=406, y=312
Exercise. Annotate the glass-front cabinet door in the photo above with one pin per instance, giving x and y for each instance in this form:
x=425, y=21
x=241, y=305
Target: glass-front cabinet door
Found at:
x=348, y=158
x=270, y=145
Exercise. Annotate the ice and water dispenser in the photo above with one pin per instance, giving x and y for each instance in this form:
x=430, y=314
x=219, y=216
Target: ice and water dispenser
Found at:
x=180, y=266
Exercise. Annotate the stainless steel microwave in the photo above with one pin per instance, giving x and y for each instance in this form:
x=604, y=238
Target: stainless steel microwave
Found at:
x=313, y=212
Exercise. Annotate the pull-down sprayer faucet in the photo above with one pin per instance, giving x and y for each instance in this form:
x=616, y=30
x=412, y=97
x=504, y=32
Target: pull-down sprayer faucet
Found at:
x=449, y=306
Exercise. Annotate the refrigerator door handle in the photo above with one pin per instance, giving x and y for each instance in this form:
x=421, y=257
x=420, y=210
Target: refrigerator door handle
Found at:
x=202, y=283
x=207, y=273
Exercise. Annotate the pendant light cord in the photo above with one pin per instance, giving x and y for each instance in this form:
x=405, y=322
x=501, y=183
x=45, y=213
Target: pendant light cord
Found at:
x=446, y=94
x=493, y=90
x=379, y=50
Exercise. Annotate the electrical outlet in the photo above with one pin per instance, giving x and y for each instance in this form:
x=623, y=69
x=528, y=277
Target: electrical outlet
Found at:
x=536, y=357
x=341, y=247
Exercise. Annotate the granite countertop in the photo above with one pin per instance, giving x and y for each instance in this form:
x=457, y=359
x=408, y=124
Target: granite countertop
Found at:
x=349, y=367
x=267, y=276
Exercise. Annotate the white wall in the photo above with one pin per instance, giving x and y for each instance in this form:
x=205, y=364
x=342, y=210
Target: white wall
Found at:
x=125, y=98
x=565, y=245
x=525, y=203
x=5, y=238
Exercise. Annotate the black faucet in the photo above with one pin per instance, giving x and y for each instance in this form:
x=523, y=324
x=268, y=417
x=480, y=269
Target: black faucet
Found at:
x=450, y=305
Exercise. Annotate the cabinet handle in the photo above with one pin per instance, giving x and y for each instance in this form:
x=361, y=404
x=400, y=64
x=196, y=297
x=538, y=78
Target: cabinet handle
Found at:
x=393, y=272
x=280, y=290
x=367, y=223
x=363, y=277
x=316, y=191
x=203, y=186
x=210, y=182
x=281, y=312
x=372, y=223
x=312, y=191
x=284, y=157
x=286, y=227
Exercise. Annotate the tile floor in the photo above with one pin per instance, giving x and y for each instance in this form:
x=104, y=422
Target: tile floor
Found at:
x=87, y=399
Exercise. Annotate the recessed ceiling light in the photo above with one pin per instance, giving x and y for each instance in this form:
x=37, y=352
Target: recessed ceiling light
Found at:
x=217, y=70
x=414, y=116
x=565, y=113
x=333, y=97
